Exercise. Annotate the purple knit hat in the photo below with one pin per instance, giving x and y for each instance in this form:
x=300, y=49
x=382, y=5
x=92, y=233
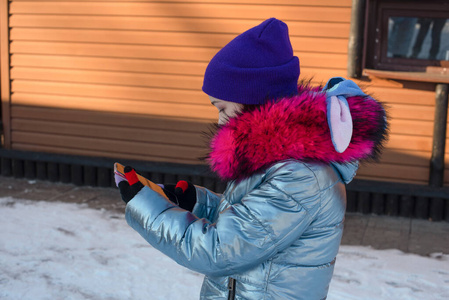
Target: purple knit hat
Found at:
x=256, y=66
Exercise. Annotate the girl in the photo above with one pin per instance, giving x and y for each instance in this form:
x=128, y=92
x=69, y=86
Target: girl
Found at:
x=287, y=152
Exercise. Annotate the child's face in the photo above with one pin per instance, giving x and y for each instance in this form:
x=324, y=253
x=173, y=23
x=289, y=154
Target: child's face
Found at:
x=226, y=109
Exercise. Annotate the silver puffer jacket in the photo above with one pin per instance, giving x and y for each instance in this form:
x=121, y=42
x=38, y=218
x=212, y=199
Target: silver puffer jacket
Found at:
x=275, y=232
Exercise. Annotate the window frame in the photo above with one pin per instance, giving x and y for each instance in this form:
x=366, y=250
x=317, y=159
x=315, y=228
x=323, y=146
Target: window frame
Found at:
x=375, y=47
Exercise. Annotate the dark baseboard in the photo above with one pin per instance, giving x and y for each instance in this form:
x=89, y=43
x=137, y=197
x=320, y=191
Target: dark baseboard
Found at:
x=398, y=199
x=363, y=196
x=97, y=171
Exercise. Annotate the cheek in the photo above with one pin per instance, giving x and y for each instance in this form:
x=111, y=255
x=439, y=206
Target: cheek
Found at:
x=232, y=112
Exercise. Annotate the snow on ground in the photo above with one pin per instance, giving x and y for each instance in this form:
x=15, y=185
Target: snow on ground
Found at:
x=68, y=251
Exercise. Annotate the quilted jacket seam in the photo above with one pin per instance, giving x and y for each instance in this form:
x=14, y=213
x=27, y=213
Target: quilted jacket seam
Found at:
x=289, y=196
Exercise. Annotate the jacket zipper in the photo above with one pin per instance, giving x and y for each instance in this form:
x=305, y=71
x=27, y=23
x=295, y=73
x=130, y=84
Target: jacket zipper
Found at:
x=231, y=288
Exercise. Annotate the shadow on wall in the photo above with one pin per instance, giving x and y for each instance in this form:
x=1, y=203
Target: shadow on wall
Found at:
x=154, y=138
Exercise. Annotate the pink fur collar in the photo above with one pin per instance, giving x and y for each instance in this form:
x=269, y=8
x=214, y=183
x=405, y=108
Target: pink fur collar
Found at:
x=294, y=128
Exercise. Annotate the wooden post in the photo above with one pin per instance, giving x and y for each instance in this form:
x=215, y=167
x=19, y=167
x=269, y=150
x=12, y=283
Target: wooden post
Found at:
x=53, y=171
x=363, y=202
x=436, y=178
x=392, y=205
x=104, y=176
x=90, y=175
x=76, y=174
x=64, y=172
x=5, y=83
x=41, y=170
x=378, y=203
x=6, y=166
x=30, y=169
x=406, y=204
x=17, y=168
x=355, y=44
x=439, y=136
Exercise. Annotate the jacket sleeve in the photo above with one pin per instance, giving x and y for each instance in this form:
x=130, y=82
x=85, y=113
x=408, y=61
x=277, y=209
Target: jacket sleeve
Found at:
x=206, y=203
x=266, y=221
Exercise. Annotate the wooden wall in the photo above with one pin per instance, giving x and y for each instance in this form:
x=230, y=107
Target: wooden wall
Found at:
x=411, y=107
x=123, y=78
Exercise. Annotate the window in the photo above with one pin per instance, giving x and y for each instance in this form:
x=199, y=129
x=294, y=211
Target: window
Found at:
x=406, y=35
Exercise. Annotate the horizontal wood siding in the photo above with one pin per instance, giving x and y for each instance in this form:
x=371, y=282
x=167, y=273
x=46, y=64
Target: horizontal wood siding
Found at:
x=411, y=107
x=342, y=3
x=5, y=82
x=123, y=78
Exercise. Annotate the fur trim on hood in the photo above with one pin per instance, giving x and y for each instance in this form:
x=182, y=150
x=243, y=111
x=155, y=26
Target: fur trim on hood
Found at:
x=294, y=128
